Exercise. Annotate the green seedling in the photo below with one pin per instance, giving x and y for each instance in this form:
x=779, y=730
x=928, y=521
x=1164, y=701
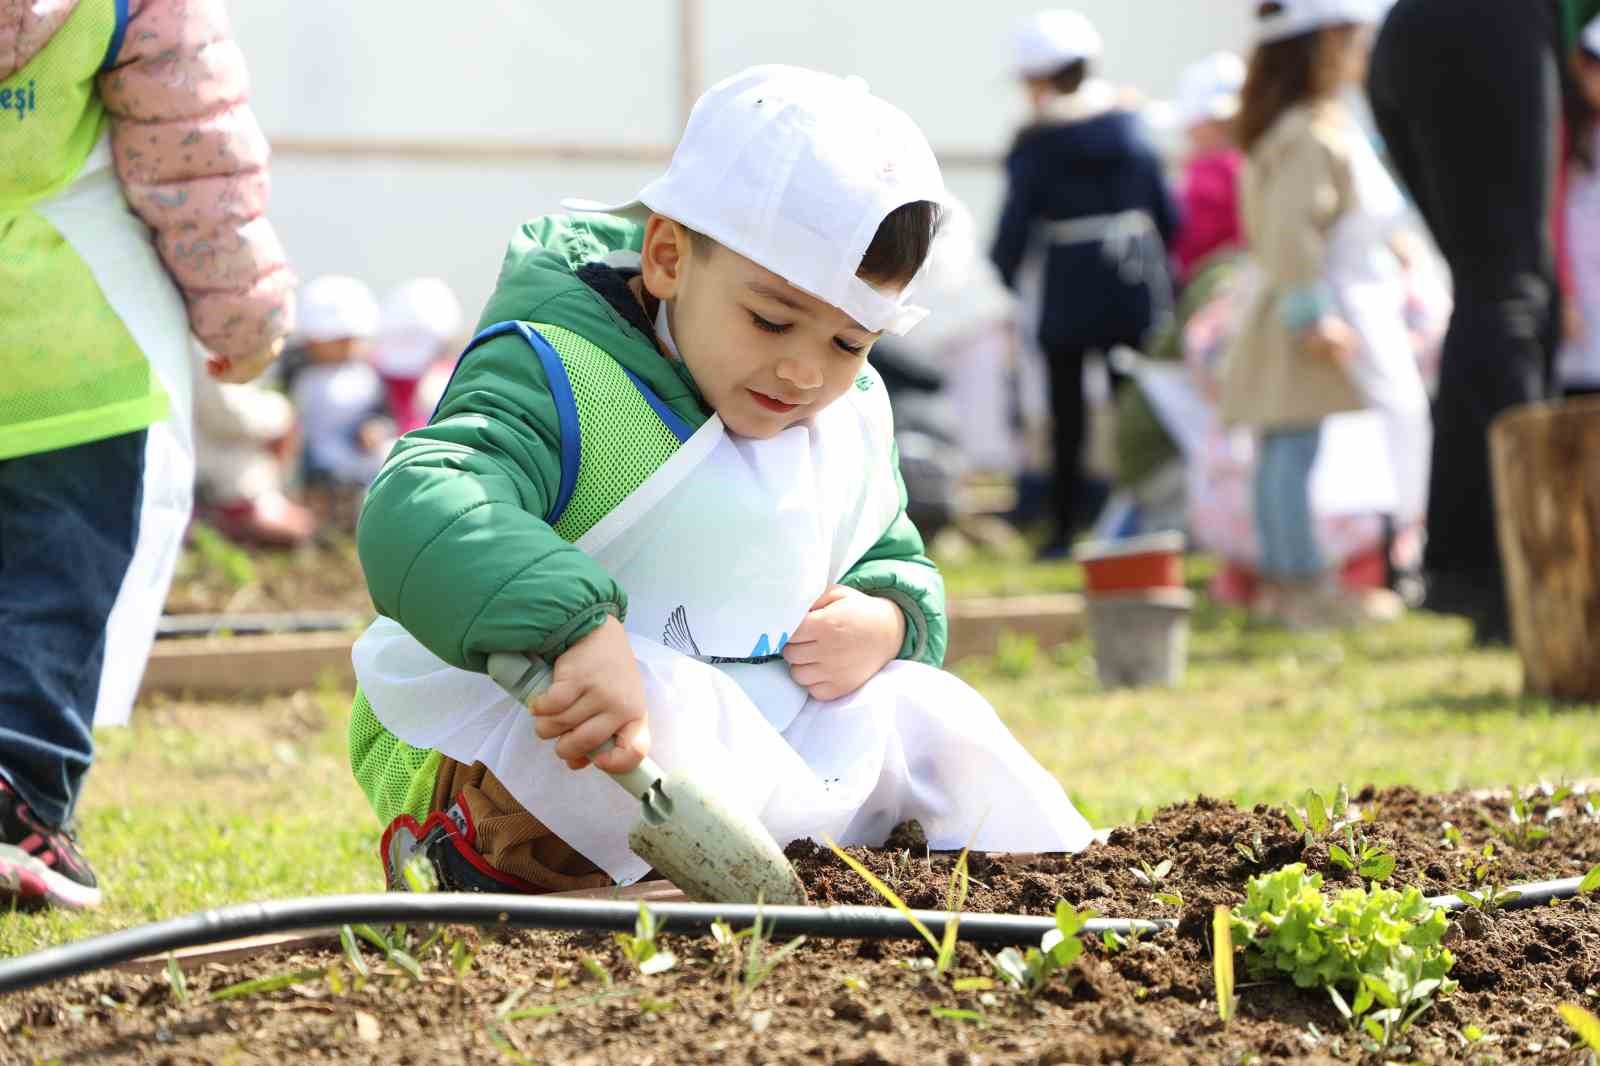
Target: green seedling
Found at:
x=640, y=947
x=956, y=1014
x=1151, y=876
x=176, y=981
x=1489, y=895
x=1254, y=853
x=944, y=948
x=1361, y=855
x=1450, y=837
x=1366, y=946
x=1590, y=882
x=1031, y=971
x=1524, y=828
x=596, y=969
x=1585, y=1024
x=749, y=952
x=1115, y=942
x=1316, y=817
x=1222, y=963
x=260, y=986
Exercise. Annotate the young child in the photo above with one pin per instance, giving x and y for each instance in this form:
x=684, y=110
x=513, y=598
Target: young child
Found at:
x=1208, y=103
x=133, y=185
x=1326, y=331
x=419, y=328
x=1579, y=364
x=665, y=466
x=335, y=387
x=1084, y=231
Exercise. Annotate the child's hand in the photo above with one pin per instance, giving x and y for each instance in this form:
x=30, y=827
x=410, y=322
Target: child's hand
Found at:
x=231, y=371
x=597, y=694
x=1331, y=338
x=845, y=639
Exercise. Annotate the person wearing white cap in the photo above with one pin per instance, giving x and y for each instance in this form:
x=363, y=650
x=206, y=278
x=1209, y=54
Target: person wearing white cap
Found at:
x=1207, y=104
x=1083, y=233
x=419, y=325
x=1468, y=97
x=337, y=390
x=1578, y=366
x=1326, y=331
x=665, y=466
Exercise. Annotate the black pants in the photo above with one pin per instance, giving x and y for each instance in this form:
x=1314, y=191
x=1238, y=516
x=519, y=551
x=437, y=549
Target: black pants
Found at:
x=1073, y=499
x=1467, y=96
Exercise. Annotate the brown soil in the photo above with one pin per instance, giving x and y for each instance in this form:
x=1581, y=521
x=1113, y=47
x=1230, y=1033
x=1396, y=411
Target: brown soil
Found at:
x=849, y=1002
x=220, y=578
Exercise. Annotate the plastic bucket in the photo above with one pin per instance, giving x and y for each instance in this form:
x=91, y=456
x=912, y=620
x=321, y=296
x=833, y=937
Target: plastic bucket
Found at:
x=1154, y=561
x=1141, y=639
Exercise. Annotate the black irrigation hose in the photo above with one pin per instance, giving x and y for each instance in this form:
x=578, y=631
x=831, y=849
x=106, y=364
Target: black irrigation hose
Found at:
x=542, y=912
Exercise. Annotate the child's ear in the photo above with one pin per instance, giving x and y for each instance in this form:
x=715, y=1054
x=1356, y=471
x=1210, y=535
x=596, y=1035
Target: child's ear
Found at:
x=661, y=259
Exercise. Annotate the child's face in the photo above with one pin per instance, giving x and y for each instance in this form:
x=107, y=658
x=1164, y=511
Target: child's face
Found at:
x=1209, y=136
x=1343, y=57
x=764, y=354
x=1586, y=72
x=342, y=350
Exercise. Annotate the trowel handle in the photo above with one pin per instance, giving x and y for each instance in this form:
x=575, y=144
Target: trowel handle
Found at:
x=526, y=676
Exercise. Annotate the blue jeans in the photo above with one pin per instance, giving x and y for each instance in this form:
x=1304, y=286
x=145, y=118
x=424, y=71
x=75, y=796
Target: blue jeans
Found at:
x=1289, y=549
x=68, y=523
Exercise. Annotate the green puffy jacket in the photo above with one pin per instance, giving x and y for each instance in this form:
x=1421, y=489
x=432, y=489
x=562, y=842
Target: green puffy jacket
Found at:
x=453, y=536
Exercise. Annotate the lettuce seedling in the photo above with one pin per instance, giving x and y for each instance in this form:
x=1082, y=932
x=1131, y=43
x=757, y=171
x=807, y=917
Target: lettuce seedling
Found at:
x=1524, y=828
x=1058, y=948
x=1366, y=946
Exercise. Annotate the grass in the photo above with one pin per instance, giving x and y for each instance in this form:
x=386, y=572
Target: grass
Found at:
x=198, y=805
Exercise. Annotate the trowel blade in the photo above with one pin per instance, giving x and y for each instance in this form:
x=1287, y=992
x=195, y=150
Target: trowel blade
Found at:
x=713, y=851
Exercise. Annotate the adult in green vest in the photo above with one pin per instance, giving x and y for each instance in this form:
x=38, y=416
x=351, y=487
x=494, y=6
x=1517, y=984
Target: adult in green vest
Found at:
x=132, y=188
x=1467, y=94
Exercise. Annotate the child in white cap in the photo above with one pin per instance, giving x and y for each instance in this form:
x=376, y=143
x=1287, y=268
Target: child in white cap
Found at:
x=1084, y=232
x=1579, y=364
x=1326, y=331
x=666, y=466
x=419, y=329
x=337, y=390
x=1207, y=104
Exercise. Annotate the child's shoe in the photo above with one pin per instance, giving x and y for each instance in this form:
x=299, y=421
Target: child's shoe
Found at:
x=441, y=852
x=40, y=866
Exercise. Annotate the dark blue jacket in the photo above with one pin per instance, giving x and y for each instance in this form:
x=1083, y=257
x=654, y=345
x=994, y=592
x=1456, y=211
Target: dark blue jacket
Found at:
x=1097, y=166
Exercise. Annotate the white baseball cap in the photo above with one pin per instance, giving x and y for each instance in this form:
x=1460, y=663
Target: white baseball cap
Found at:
x=1046, y=42
x=1291, y=18
x=419, y=317
x=335, y=307
x=1209, y=89
x=796, y=170
x=1590, y=40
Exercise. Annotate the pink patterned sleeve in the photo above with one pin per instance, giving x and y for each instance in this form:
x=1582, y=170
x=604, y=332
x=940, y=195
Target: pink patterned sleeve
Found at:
x=193, y=164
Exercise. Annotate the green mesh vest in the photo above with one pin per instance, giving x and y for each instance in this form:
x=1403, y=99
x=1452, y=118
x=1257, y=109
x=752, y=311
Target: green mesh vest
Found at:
x=624, y=439
x=70, y=372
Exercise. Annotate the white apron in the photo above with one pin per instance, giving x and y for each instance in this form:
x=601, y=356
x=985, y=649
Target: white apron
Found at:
x=722, y=551
x=93, y=217
x=1369, y=287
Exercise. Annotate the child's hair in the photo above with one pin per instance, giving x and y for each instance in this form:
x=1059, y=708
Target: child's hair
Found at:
x=897, y=251
x=1282, y=74
x=1070, y=78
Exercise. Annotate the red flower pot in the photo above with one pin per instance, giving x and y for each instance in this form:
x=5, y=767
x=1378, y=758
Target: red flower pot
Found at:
x=1137, y=563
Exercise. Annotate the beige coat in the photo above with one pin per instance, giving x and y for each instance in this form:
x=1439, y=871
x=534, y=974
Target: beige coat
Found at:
x=1296, y=185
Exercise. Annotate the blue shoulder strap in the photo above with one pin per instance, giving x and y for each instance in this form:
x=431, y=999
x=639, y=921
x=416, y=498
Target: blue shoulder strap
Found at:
x=678, y=427
x=118, y=34
x=560, y=392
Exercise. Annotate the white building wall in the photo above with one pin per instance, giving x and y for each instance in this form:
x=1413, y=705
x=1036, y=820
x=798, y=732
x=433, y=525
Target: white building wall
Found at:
x=556, y=71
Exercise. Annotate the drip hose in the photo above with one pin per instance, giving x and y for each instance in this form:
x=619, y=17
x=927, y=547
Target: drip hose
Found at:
x=541, y=912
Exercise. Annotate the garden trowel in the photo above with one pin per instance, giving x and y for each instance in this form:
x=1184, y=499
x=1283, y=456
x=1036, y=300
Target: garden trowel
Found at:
x=713, y=851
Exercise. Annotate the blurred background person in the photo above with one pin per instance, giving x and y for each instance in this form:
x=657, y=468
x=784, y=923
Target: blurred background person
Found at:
x=1578, y=371
x=336, y=389
x=1206, y=106
x=1083, y=234
x=117, y=238
x=419, y=328
x=1467, y=95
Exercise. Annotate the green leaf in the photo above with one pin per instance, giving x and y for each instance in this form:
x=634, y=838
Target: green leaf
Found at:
x=954, y=1014
x=262, y=985
x=1339, y=857
x=658, y=962
x=1374, y=1029
x=1341, y=802
x=1316, y=811
x=1472, y=1034
x=1591, y=881
x=1295, y=820
x=373, y=937
x=1222, y=961
x=887, y=893
x=955, y=900
x=1378, y=868
x=1171, y=899
x=1339, y=1004
x=406, y=963
x=1163, y=868
x=972, y=984
x=176, y=980
x=596, y=970
x=1586, y=1025
x=352, y=951
x=1380, y=989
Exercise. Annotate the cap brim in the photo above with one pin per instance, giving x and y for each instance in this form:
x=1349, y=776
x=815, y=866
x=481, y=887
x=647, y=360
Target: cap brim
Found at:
x=634, y=210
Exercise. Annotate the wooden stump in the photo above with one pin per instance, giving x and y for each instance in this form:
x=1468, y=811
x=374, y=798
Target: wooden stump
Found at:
x=1547, y=502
